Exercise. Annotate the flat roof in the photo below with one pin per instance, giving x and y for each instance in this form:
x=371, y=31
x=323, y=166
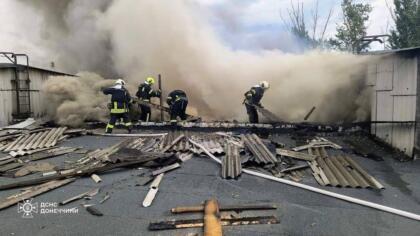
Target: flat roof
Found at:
x=300, y=212
x=391, y=51
x=11, y=65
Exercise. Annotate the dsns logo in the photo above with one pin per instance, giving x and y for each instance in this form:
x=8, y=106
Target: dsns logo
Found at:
x=27, y=208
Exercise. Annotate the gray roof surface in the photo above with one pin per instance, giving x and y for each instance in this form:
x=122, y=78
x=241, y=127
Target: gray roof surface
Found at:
x=300, y=212
x=10, y=65
x=391, y=51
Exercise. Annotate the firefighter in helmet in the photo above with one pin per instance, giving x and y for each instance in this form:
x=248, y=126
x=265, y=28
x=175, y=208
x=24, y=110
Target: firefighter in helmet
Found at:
x=145, y=93
x=253, y=98
x=120, y=100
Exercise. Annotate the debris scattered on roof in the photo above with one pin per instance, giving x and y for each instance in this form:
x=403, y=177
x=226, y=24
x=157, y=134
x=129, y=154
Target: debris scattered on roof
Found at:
x=231, y=162
x=213, y=221
x=340, y=171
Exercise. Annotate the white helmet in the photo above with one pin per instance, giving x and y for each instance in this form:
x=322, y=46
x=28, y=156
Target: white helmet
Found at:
x=264, y=85
x=120, y=82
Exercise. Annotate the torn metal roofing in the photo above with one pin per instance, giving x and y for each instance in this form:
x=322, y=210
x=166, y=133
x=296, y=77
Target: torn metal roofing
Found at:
x=340, y=171
x=35, y=140
x=231, y=162
x=212, y=142
x=258, y=149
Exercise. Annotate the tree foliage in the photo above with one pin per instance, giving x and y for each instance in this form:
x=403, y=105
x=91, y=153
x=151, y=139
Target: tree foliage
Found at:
x=298, y=25
x=407, y=24
x=353, y=28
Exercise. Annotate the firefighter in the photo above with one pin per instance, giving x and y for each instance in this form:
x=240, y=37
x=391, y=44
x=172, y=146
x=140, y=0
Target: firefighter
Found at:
x=253, y=98
x=145, y=93
x=177, y=101
x=120, y=100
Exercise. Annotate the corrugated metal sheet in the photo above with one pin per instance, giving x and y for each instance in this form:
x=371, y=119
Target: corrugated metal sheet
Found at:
x=340, y=171
x=6, y=105
x=259, y=151
x=385, y=71
x=36, y=140
x=405, y=76
x=231, y=162
x=371, y=75
x=396, y=101
x=212, y=142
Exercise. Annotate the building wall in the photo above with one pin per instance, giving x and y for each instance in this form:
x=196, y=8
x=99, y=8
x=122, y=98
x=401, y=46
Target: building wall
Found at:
x=8, y=97
x=6, y=105
x=394, y=79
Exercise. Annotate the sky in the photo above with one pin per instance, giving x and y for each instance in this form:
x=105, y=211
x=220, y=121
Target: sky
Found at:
x=260, y=20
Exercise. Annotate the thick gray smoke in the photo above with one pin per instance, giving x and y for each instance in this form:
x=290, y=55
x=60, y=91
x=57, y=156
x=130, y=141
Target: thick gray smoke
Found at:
x=73, y=100
x=140, y=38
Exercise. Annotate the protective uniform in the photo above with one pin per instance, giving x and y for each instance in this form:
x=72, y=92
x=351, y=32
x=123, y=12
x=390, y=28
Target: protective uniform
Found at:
x=177, y=101
x=120, y=100
x=253, y=98
x=145, y=93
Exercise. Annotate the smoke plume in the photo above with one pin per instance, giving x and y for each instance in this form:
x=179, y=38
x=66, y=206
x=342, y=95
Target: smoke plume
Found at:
x=136, y=39
x=73, y=100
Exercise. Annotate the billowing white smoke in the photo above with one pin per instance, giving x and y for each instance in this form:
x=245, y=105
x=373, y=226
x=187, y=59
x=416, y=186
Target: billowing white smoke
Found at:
x=141, y=38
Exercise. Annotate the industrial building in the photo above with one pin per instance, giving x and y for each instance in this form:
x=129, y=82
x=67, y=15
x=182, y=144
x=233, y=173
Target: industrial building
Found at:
x=393, y=77
x=20, y=86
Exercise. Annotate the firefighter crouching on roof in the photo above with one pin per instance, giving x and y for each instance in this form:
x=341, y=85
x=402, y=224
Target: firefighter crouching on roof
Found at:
x=253, y=98
x=120, y=100
x=145, y=93
x=177, y=101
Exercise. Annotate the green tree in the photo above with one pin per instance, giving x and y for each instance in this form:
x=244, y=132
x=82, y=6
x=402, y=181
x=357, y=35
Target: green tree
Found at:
x=353, y=28
x=407, y=24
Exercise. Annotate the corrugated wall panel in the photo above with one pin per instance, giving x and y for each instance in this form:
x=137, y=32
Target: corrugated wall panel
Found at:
x=38, y=105
x=371, y=75
x=403, y=134
x=385, y=71
x=5, y=96
x=395, y=99
x=384, y=112
x=405, y=76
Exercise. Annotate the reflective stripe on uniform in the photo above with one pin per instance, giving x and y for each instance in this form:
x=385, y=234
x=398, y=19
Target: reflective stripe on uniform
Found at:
x=128, y=124
x=109, y=126
x=174, y=120
x=117, y=110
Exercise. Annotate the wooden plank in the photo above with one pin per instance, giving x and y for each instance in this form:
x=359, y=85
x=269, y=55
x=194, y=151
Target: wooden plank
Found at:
x=199, y=223
x=200, y=208
x=33, y=191
x=166, y=169
x=212, y=224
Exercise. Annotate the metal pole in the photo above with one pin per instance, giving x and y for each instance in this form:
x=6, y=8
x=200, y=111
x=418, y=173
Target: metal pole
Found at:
x=161, y=97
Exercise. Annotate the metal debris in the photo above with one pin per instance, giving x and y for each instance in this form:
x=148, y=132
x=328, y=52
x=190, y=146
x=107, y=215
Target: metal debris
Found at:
x=32, y=192
x=316, y=143
x=231, y=162
x=258, y=149
x=296, y=155
x=36, y=140
x=96, y=178
x=88, y=194
x=340, y=171
x=106, y=197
